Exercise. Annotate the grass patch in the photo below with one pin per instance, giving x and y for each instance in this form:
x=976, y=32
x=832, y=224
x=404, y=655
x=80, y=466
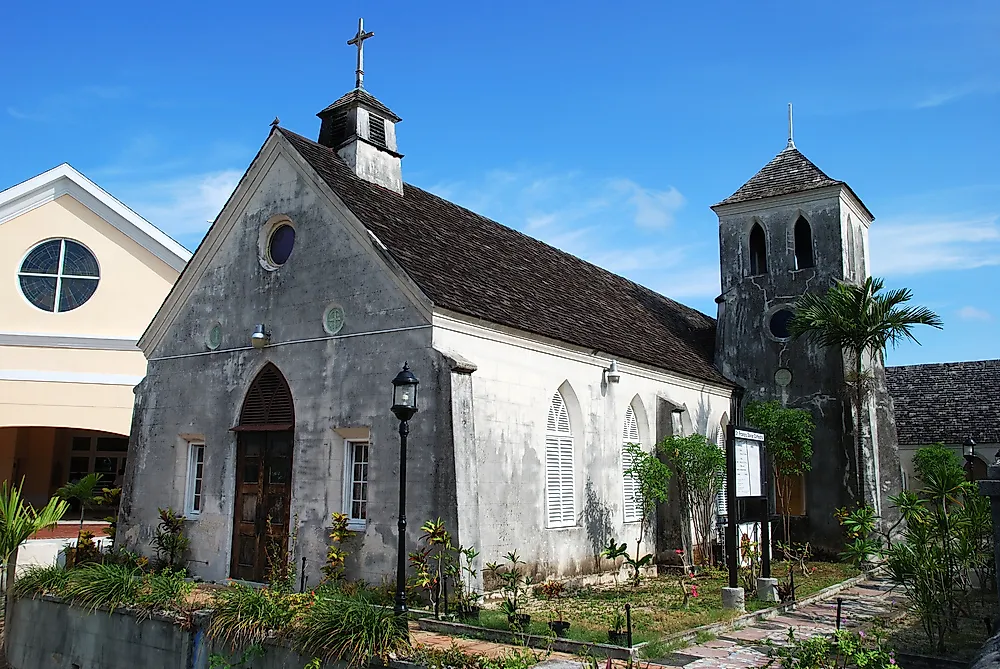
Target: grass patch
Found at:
x=37, y=581
x=351, y=629
x=455, y=658
x=657, y=649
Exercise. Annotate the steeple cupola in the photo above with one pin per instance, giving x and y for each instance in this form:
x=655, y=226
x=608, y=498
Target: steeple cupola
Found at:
x=362, y=130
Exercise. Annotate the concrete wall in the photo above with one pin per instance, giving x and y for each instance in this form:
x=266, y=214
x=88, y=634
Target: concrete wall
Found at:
x=750, y=354
x=512, y=386
x=337, y=382
x=51, y=634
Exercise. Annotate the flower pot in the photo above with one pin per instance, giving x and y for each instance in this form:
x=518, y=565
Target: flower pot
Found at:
x=616, y=638
x=519, y=621
x=468, y=612
x=559, y=627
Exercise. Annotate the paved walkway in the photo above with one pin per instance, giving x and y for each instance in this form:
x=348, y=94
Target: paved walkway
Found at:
x=741, y=648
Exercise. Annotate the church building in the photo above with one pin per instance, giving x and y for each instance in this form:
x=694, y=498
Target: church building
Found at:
x=266, y=403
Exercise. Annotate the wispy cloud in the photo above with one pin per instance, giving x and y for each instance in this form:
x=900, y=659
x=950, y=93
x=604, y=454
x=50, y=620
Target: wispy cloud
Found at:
x=64, y=105
x=183, y=207
x=943, y=97
x=616, y=223
x=906, y=248
x=974, y=314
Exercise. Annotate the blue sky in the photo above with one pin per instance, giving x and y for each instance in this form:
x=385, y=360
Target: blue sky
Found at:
x=607, y=130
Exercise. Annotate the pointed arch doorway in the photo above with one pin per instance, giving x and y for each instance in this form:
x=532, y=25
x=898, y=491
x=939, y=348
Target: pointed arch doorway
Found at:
x=263, y=474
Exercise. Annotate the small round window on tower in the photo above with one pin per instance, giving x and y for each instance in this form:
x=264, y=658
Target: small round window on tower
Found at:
x=779, y=323
x=279, y=247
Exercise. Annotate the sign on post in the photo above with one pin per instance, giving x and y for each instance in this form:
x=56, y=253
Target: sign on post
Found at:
x=746, y=487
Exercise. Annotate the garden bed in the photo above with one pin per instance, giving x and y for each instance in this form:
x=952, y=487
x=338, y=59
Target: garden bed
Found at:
x=961, y=643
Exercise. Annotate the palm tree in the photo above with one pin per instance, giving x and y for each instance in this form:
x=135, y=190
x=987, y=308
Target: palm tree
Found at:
x=18, y=521
x=862, y=321
x=83, y=492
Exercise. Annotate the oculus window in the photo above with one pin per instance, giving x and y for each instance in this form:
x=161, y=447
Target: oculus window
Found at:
x=779, y=323
x=58, y=275
x=279, y=246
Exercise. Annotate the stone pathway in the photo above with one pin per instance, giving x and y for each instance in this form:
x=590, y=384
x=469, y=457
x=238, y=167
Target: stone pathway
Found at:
x=741, y=648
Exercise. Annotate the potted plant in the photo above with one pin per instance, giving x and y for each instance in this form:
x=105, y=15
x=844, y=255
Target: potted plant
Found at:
x=617, y=635
x=513, y=586
x=551, y=590
x=467, y=598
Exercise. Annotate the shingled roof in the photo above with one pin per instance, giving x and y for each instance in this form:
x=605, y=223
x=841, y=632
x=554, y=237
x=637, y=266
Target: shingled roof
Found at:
x=470, y=264
x=364, y=97
x=946, y=402
x=788, y=172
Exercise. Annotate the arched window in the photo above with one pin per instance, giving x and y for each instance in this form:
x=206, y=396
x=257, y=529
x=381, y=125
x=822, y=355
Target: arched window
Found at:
x=758, y=251
x=803, y=245
x=632, y=501
x=560, y=494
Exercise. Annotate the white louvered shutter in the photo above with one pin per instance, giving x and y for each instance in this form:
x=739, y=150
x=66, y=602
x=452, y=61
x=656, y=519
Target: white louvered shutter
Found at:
x=721, y=501
x=630, y=435
x=560, y=491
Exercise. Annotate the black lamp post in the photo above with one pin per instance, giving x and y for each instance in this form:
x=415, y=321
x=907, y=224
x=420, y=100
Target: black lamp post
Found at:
x=969, y=451
x=404, y=405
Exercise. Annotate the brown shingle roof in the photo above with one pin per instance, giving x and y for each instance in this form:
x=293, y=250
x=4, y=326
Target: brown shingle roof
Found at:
x=364, y=97
x=472, y=265
x=946, y=402
x=788, y=172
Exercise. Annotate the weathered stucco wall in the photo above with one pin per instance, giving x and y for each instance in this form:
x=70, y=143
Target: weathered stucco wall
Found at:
x=750, y=354
x=512, y=387
x=337, y=383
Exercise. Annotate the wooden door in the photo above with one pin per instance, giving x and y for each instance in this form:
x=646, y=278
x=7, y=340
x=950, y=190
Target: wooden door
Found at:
x=263, y=492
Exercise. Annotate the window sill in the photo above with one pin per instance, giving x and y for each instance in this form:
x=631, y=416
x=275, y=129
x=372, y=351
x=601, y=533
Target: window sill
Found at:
x=355, y=525
x=556, y=528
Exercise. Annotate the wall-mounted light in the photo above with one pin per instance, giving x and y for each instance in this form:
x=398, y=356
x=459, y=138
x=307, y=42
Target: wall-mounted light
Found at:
x=261, y=337
x=614, y=376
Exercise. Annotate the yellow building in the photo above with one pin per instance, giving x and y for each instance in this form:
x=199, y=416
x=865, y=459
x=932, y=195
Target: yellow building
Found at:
x=84, y=275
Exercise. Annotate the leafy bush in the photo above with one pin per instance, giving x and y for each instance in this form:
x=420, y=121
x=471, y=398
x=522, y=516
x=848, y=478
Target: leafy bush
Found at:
x=169, y=542
x=245, y=615
x=455, y=658
x=41, y=581
x=846, y=650
x=165, y=591
x=336, y=556
x=351, y=629
x=701, y=470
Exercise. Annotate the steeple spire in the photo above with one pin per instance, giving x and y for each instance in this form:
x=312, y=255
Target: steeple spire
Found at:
x=359, y=41
x=791, y=135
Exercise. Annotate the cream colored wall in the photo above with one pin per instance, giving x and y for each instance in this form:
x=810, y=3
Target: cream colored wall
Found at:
x=80, y=387
x=132, y=286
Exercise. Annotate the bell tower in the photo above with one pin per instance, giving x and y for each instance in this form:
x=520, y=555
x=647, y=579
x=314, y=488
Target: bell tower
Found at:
x=791, y=230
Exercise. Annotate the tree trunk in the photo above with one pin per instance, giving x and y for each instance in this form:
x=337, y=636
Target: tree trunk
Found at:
x=859, y=437
x=9, y=600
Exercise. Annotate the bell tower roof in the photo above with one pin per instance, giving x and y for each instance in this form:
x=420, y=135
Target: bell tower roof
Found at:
x=788, y=172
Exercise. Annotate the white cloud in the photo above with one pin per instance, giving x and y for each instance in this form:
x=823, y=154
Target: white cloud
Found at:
x=184, y=206
x=653, y=208
x=974, y=314
x=907, y=248
x=944, y=97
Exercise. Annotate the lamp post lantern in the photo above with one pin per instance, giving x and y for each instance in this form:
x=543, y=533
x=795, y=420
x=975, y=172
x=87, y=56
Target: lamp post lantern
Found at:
x=404, y=405
x=969, y=451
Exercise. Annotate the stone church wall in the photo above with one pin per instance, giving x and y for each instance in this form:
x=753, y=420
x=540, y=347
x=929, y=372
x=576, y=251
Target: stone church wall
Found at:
x=340, y=387
x=512, y=388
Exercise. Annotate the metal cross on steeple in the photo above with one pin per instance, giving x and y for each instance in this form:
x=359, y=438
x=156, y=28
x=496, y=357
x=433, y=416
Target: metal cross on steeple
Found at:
x=359, y=41
x=791, y=136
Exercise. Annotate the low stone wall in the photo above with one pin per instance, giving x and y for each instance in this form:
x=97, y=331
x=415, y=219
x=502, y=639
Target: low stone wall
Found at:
x=50, y=633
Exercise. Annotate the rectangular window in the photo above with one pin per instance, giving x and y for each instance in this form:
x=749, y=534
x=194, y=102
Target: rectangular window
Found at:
x=559, y=484
x=195, y=478
x=356, y=480
x=633, y=499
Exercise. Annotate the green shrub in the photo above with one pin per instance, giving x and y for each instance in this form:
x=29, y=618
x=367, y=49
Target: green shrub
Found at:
x=95, y=585
x=351, y=629
x=245, y=615
x=455, y=658
x=41, y=581
x=166, y=591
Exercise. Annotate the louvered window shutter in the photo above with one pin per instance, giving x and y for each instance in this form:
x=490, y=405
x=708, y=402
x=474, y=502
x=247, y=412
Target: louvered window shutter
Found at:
x=721, y=501
x=560, y=489
x=630, y=435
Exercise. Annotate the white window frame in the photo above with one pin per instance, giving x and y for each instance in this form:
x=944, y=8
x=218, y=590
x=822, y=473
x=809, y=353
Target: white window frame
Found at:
x=560, y=447
x=196, y=448
x=632, y=512
x=355, y=524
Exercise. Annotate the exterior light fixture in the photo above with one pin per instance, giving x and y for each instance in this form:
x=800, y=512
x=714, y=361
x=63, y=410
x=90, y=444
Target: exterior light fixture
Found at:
x=261, y=337
x=614, y=376
x=969, y=448
x=404, y=405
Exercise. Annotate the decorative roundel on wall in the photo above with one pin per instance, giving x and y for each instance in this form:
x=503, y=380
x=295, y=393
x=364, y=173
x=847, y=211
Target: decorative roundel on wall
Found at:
x=778, y=324
x=214, y=337
x=783, y=377
x=333, y=319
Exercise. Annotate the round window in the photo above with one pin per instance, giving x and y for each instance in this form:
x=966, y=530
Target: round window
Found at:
x=214, y=338
x=279, y=246
x=58, y=275
x=333, y=320
x=779, y=323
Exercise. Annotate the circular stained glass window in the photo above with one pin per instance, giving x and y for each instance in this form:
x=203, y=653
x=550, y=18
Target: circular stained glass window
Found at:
x=279, y=247
x=58, y=275
x=779, y=323
x=333, y=320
